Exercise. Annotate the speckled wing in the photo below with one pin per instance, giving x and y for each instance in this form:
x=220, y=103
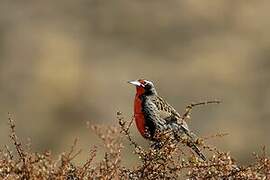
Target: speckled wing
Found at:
x=167, y=112
x=173, y=119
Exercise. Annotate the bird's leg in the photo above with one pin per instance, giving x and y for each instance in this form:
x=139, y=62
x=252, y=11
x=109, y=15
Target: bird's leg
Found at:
x=189, y=107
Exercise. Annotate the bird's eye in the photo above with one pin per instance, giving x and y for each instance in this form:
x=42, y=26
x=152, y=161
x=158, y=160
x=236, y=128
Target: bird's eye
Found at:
x=146, y=84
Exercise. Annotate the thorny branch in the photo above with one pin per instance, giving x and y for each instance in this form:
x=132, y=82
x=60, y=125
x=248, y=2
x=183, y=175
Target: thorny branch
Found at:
x=15, y=139
x=186, y=114
x=168, y=162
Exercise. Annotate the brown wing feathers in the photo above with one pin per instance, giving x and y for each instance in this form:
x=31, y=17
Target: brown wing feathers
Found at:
x=170, y=115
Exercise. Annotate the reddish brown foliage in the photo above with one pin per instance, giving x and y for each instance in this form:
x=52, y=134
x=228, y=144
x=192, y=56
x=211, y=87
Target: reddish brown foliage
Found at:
x=170, y=162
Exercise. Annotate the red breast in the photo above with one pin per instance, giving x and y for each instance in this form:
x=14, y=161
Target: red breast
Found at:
x=138, y=111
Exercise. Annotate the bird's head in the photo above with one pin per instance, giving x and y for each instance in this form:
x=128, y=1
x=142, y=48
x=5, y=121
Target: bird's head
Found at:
x=144, y=86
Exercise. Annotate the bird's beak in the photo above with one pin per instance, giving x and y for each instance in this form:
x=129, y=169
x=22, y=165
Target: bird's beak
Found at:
x=136, y=83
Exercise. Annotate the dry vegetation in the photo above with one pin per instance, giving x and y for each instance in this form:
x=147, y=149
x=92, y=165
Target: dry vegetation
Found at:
x=170, y=162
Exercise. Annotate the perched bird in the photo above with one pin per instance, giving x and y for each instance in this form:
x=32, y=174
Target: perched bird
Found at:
x=153, y=114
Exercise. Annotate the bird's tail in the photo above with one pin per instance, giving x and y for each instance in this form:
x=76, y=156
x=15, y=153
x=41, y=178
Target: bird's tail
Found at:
x=196, y=150
x=181, y=133
x=191, y=138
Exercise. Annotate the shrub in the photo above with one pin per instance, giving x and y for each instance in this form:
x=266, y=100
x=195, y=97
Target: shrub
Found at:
x=169, y=162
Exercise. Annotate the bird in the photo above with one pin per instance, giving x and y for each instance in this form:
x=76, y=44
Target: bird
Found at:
x=154, y=115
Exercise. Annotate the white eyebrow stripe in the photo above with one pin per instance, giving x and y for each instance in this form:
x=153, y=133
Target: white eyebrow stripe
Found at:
x=148, y=81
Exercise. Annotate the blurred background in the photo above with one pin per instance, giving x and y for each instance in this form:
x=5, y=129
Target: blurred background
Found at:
x=63, y=63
